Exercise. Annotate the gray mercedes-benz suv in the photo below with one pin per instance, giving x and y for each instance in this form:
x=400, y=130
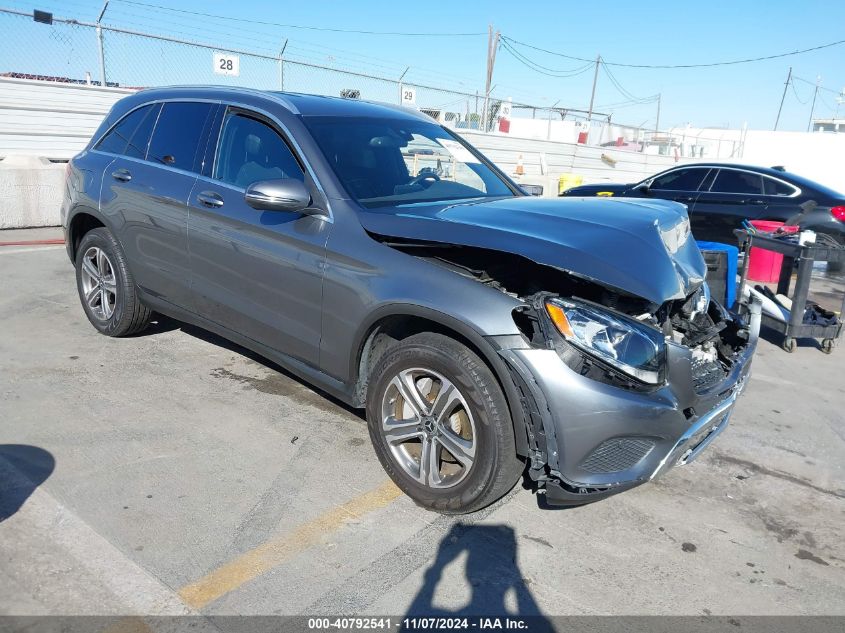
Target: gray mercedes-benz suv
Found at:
x=381, y=258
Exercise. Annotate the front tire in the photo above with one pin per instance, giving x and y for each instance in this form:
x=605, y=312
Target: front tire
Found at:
x=106, y=287
x=440, y=425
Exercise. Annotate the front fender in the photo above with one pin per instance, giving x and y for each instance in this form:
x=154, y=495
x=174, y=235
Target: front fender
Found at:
x=483, y=345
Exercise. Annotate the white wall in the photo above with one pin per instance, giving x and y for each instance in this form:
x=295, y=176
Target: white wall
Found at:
x=31, y=190
x=594, y=164
x=55, y=121
x=819, y=157
x=48, y=119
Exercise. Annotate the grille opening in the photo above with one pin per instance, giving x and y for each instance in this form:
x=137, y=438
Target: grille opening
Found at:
x=618, y=454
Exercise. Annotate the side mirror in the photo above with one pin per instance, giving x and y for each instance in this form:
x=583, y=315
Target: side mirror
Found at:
x=283, y=194
x=643, y=186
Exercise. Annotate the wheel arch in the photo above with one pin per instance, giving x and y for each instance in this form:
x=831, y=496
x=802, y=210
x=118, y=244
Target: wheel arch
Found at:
x=398, y=321
x=79, y=223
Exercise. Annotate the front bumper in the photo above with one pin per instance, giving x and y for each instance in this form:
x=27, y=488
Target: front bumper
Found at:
x=597, y=439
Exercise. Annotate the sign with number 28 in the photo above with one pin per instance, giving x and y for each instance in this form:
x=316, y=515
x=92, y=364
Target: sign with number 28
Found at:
x=226, y=64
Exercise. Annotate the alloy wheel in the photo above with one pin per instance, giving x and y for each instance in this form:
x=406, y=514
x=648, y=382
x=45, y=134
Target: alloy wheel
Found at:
x=429, y=427
x=99, y=285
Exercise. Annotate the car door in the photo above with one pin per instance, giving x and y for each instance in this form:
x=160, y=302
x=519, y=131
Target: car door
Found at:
x=734, y=195
x=257, y=273
x=681, y=185
x=781, y=199
x=145, y=190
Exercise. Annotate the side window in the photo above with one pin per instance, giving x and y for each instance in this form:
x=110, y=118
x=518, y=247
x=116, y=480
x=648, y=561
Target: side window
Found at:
x=250, y=150
x=776, y=188
x=177, y=134
x=140, y=140
x=733, y=181
x=118, y=138
x=680, y=180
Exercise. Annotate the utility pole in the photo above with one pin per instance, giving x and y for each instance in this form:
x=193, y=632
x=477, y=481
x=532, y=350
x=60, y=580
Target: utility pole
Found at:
x=657, y=123
x=785, y=86
x=813, y=107
x=492, y=47
x=100, y=44
x=593, y=95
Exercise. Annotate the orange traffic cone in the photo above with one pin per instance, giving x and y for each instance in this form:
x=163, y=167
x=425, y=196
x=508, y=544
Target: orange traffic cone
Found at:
x=520, y=169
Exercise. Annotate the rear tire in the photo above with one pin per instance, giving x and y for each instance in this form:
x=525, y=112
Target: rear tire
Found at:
x=106, y=287
x=440, y=425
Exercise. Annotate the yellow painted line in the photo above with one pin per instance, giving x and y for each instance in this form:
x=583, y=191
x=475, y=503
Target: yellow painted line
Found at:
x=271, y=554
x=128, y=625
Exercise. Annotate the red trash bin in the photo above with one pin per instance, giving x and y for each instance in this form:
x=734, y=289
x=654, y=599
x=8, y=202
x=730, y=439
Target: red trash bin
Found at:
x=765, y=265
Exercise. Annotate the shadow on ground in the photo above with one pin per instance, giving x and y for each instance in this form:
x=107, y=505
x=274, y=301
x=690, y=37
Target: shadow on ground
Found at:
x=313, y=395
x=492, y=577
x=22, y=469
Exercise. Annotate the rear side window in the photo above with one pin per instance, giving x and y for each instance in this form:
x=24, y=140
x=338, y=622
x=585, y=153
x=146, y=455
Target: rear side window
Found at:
x=177, y=134
x=118, y=138
x=732, y=181
x=250, y=150
x=776, y=188
x=140, y=140
x=680, y=180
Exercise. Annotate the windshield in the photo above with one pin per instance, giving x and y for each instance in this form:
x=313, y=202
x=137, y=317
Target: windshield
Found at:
x=383, y=162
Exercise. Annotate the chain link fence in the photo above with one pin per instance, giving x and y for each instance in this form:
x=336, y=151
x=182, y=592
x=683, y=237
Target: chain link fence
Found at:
x=74, y=51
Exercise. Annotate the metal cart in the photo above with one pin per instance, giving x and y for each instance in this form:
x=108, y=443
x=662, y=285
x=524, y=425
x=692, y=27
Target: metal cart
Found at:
x=806, y=255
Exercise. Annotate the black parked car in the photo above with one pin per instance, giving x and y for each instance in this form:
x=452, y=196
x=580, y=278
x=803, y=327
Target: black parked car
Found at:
x=720, y=196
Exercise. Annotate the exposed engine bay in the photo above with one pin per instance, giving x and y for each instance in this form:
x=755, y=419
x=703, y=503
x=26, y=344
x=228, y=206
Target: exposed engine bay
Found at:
x=704, y=327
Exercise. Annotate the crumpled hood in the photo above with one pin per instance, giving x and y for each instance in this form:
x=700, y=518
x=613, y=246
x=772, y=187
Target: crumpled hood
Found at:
x=643, y=247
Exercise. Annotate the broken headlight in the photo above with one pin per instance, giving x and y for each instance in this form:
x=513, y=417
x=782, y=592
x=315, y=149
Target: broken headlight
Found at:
x=626, y=344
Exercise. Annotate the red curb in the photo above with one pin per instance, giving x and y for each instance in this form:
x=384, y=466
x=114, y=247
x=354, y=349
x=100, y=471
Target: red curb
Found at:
x=33, y=242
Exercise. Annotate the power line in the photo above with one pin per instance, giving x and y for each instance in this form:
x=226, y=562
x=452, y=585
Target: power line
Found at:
x=813, y=83
x=657, y=66
x=544, y=70
x=296, y=26
x=297, y=48
x=619, y=105
x=797, y=98
x=625, y=93
x=832, y=108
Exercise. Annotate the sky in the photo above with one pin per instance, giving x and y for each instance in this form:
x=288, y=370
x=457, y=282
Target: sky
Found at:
x=645, y=32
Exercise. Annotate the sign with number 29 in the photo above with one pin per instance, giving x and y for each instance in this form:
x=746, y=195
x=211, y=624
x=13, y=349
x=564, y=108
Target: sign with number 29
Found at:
x=226, y=64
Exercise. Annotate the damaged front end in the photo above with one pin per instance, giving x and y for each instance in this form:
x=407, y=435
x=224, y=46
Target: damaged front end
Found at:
x=615, y=397
x=615, y=389
x=624, y=364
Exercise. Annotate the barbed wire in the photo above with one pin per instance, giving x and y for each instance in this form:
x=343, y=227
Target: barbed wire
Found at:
x=300, y=26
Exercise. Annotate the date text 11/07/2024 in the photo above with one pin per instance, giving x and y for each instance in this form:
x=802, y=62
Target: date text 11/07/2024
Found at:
x=421, y=623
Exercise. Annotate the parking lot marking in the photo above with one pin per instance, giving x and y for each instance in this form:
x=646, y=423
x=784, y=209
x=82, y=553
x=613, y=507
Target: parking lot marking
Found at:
x=268, y=555
x=76, y=545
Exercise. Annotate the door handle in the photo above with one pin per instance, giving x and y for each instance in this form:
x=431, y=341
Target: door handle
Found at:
x=122, y=175
x=685, y=199
x=210, y=199
x=757, y=202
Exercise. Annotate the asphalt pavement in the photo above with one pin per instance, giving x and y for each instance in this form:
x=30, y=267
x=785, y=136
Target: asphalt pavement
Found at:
x=175, y=473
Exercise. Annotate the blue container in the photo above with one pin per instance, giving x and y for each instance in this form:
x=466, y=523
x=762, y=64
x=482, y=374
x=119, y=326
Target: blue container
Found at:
x=724, y=278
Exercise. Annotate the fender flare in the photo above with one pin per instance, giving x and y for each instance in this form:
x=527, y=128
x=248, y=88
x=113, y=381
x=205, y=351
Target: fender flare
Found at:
x=70, y=237
x=488, y=353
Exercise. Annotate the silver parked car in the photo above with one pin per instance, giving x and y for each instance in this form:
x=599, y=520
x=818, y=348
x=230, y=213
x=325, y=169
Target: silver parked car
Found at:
x=378, y=256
